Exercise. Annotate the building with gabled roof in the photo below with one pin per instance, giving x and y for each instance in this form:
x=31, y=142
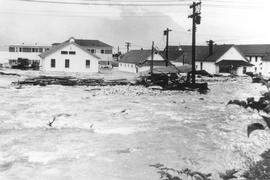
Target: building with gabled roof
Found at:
x=69, y=57
x=257, y=54
x=96, y=47
x=136, y=61
x=217, y=58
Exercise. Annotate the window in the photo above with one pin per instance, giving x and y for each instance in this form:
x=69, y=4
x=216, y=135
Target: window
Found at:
x=87, y=63
x=256, y=59
x=66, y=63
x=102, y=51
x=20, y=49
x=11, y=49
x=244, y=70
x=92, y=51
x=64, y=52
x=25, y=49
x=53, y=63
x=108, y=51
x=72, y=52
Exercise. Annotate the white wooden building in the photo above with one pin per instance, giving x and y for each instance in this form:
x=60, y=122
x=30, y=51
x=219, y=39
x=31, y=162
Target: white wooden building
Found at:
x=69, y=57
x=136, y=61
x=217, y=59
x=258, y=55
x=98, y=48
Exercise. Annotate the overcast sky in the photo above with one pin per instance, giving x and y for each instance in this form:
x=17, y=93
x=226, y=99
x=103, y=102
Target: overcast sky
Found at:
x=137, y=21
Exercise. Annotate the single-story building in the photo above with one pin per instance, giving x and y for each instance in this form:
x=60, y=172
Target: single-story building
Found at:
x=136, y=61
x=69, y=57
x=217, y=58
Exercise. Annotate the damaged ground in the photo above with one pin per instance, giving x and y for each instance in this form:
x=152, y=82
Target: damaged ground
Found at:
x=116, y=132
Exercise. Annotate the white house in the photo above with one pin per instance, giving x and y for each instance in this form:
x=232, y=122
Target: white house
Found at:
x=98, y=48
x=136, y=61
x=69, y=57
x=217, y=59
x=257, y=54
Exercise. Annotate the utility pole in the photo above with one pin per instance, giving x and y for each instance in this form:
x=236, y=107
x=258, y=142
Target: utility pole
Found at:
x=152, y=60
x=196, y=19
x=128, y=44
x=166, y=33
x=118, y=53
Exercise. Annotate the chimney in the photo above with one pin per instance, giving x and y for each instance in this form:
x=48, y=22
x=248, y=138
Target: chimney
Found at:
x=210, y=45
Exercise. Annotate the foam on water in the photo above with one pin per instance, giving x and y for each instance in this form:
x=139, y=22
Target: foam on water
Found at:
x=184, y=129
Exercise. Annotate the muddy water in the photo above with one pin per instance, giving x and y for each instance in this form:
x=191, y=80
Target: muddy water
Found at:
x=183, y=129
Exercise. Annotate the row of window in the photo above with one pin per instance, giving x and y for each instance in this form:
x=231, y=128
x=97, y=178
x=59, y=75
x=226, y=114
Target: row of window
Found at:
x=67, y=63
x=102, y=51
x=27, y=49
x=126, y=65
x=68, y=52
x=256, y=58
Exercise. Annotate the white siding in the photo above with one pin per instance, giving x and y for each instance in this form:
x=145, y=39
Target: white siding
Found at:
x=266, y=69
x=210, y=67
x=239, y=71
x=103, y=56
x=232, y=54
x=258, y=65
x=127, y=67
x=77, y=62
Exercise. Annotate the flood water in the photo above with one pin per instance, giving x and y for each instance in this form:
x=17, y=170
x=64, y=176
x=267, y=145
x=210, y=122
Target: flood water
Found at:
x=129, y=132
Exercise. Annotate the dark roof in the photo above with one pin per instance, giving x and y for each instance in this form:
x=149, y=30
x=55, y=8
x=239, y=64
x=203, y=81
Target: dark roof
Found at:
x=255, y=49
x=202, y=53
x=62, y=45
x=155, y=63
x=266, y=57
x=136, y=56
x=233, y=62
x=91, y=43
x=174, y=53
x=87, y=43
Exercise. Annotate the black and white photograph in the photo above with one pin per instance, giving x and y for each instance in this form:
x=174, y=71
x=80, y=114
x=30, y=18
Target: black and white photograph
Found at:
x=134, y=90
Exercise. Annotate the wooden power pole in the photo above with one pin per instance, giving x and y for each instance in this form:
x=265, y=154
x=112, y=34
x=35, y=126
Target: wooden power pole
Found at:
x=196, y=19
x=152, y=60
x=128, y=44
x=166, y=33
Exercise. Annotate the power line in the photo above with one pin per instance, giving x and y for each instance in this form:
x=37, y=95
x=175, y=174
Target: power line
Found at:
x=61, y=14
x=99, y=3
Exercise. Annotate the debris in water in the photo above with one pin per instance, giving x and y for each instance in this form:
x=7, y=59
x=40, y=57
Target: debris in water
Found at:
x=229, y=174
x=50, y=123
x=253, y=127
